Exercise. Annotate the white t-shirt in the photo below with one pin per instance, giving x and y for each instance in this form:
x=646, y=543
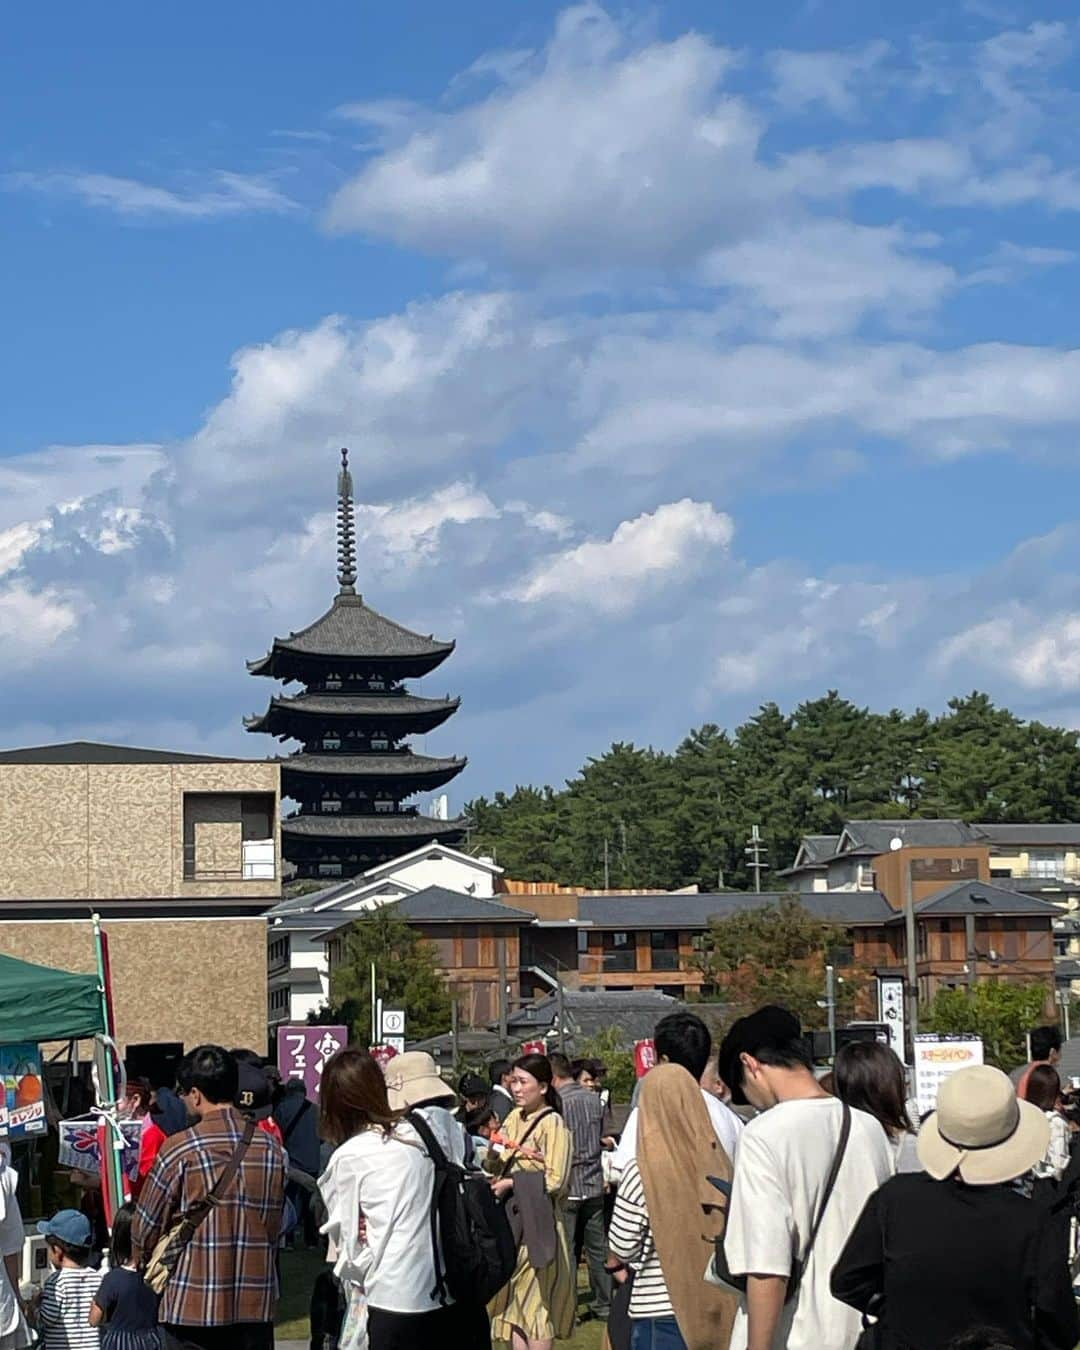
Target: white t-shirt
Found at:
x=784, y=1160
x=388, y=1180
x=726, y=1126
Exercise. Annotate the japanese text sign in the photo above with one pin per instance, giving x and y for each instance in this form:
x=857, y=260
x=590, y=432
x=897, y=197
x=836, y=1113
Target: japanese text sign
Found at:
x=303, y=1052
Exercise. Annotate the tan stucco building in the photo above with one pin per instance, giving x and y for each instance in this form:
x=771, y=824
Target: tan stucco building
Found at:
x=180, y=854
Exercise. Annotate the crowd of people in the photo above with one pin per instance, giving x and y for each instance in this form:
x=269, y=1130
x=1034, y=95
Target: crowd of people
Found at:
x=746, y=1202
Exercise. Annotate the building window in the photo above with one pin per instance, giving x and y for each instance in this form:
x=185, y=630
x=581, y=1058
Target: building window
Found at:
x=331, y=805
x=1046, y=863
x=329, y=869
x=380, y=743
x=619, y=951
x=921, y=941
x=664, y=945
x=229, y=836
x=382, y=807
x=331, y=741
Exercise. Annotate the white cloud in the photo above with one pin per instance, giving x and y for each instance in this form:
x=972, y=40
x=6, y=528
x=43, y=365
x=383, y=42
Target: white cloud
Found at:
x=409, y=531
x=17, y=541
x=225, y=194
x=609, y=574
x=821, y=277
x=605, y=152
x=831, y=78
x=1039, y=650
x=32, y=621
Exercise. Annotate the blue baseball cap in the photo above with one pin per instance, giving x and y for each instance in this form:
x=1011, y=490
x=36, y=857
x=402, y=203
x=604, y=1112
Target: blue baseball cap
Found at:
x=69, y=1226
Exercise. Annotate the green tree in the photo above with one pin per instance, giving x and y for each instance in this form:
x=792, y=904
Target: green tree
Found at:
x=406, y=976
x=778, y=954
x=610, y=1046
x=1001, y=1014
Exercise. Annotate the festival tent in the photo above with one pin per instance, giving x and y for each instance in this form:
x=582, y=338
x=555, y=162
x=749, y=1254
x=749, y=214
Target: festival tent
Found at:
x=39, y=1004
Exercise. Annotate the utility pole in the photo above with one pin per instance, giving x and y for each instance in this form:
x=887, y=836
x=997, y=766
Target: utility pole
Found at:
x=607, y=866
x=374, y=1011
x=754, y=851
x=559, y=1008
x=830, y=1000
x=453, y=1032
x=909, y=935
x=972, y=954
x=502, y=989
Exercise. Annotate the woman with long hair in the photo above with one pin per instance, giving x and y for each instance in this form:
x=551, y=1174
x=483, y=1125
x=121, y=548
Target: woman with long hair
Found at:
x=668, y=1216
x=377, y=1190
x=124, y=1305
x=1044, y=1092
x=538, y=1304
x=869, y=1077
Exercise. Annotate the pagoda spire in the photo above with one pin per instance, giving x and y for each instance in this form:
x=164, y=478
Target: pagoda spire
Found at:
x=346, y=530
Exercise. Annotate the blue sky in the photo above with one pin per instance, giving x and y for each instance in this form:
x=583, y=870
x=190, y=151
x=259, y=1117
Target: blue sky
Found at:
x=690, y=356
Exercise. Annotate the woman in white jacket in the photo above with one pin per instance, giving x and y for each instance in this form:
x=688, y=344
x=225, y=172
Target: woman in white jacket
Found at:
x=14, y=1333
x=377, y=1190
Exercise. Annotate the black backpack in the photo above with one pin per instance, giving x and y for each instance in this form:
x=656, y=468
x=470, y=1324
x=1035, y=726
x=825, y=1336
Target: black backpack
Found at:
x=478, y=1249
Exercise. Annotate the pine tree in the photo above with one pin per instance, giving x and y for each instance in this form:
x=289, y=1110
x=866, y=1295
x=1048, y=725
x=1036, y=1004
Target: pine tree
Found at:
x=406, y=976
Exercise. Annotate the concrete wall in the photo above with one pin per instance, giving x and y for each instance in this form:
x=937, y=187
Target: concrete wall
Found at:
x=190, y=980
x=116, y=831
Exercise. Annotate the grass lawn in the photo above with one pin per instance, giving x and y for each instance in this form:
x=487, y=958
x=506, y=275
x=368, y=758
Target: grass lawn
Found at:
x=298, y=1271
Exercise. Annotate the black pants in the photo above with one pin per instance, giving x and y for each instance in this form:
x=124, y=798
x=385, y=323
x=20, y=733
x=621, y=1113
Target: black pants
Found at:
x=235, y=1336
x=411, y=1331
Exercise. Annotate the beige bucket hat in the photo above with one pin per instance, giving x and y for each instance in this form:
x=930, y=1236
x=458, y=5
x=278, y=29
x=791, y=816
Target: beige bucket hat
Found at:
x=412, y=1078
x=981, y=1130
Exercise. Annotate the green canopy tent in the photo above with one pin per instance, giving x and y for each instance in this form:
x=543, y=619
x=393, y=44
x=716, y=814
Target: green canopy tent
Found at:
x=39, y=1004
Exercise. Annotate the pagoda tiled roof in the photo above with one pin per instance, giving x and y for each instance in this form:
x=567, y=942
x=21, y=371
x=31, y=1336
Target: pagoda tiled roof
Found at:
x=428, y=711
x=351, y=630
x=371, y=766
x=389, y=826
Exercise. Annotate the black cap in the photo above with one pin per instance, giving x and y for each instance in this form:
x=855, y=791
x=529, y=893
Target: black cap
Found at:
x=472, y=1085
x=254, y=1094
x=769, y=1028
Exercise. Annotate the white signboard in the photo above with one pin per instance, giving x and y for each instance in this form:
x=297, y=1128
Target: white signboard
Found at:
x=393, y=1028
x=891, y=1012
x=938, y=1058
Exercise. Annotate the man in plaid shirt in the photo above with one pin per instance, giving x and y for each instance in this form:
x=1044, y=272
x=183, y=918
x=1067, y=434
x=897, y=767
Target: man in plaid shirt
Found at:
x=224, y=1289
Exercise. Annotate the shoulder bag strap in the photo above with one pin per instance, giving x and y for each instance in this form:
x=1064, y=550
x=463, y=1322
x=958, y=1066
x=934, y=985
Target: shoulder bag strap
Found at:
x=830, y=1183
x=297, y=1119
x=438, y=1157
x=509, y=1161
x=233, y=1165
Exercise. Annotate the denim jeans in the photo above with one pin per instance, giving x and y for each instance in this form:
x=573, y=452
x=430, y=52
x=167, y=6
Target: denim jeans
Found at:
x=656, y=1333
x=583, y=1221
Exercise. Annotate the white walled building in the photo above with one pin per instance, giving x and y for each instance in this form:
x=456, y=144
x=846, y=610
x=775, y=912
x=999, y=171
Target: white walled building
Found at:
x=297, y=968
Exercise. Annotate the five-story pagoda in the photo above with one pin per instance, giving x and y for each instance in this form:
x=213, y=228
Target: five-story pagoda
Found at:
x=354, y=771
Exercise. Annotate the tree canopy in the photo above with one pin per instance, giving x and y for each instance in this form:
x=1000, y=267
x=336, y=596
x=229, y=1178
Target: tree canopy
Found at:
x=406, y=976
x=640, y=817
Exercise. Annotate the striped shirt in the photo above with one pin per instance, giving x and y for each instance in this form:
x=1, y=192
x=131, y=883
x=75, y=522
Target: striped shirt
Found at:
x=64, y=1315
x=226, y=1273
x=631, y=1240
x=583, y=1116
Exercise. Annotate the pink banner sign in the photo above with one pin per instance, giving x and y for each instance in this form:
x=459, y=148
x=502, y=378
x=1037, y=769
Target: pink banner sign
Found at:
x=534, y=1048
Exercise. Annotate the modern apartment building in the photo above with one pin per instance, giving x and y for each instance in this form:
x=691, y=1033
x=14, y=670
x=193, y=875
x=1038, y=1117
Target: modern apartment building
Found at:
x=178, y=853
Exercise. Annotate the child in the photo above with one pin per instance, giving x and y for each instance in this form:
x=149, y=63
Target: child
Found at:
x=127, y=1307
x=480, y=1124
x=63, y=1316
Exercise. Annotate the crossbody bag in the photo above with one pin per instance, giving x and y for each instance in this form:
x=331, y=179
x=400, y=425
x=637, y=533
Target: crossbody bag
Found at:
x=718, y=1272
x=172, y=1244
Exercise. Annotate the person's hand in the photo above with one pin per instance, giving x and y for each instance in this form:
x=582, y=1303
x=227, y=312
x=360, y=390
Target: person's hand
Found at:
x=609, y=1142
x=502, y=1187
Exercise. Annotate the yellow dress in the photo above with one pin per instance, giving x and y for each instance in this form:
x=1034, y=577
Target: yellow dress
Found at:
x=540, y=1303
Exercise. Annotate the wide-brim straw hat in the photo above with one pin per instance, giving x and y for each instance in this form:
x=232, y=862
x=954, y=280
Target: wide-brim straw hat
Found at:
x=413, y=1078
x=981, y=1130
